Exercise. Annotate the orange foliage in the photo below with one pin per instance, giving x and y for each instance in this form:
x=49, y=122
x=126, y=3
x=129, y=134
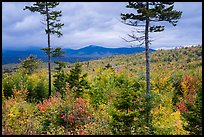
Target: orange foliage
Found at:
x=189, y=89
x=181, y=107
x=46, y=103
x=79, y=115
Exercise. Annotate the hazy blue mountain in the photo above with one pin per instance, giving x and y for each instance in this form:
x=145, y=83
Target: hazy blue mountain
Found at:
x=93, y=51
x=71, y=55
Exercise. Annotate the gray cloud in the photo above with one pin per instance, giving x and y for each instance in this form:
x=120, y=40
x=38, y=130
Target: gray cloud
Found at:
x=94, y=23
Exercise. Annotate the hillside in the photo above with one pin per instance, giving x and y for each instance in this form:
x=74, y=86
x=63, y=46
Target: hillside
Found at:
x=108, y=96
x=179, y=58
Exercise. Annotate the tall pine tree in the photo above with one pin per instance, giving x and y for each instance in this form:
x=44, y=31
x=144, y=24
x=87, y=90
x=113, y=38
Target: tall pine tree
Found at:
x=53, y=26
x=149, y=12
x=144, y=21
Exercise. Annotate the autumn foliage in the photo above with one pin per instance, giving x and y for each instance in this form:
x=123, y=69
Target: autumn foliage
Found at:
x=114, y=103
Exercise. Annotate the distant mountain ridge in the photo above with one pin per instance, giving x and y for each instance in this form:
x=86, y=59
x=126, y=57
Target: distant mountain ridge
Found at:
x=71, y=55
x=99, y=51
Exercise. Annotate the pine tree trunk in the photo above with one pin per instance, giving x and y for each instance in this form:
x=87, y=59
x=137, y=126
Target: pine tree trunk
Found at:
x=49, y=59
x=147, y=53
x=147, y=65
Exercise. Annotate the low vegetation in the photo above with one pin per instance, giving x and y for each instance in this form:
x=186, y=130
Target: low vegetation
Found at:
x=108, y=96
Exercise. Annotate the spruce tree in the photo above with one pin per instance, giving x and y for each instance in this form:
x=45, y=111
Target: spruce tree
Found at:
x=77, y=81
x=126, y=104
x=60, y=76
x=53, y=26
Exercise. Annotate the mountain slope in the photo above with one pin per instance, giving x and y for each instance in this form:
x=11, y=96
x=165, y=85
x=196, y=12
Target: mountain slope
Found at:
x=174, y=59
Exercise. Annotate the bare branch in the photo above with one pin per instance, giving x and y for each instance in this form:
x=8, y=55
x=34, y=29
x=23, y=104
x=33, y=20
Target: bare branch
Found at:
x=140, y=31
x=127, y=40
x=43, y=21
x=136, y=37
x=133, y=40
x=137, y=30
x=139, y=45
x=151, y=40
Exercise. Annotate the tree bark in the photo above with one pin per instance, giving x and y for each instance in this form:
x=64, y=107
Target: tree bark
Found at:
x=48, y=53
x=147, y=65
x=147, y=52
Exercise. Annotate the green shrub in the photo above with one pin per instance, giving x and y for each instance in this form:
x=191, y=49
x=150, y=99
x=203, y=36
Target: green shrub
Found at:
x=37, y=87
x=16, y=79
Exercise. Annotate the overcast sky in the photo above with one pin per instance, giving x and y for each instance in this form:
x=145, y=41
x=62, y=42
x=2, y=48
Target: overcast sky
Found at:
x=94, y=23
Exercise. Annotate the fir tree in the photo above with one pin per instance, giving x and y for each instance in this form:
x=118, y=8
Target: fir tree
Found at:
x=126, y=107
x=77, y=81
x=60, y=76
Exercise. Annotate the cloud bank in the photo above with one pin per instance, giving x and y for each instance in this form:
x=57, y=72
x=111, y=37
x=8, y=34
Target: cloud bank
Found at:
x=95, y=23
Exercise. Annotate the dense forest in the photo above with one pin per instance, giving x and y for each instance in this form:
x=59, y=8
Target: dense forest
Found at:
x=107, y=96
